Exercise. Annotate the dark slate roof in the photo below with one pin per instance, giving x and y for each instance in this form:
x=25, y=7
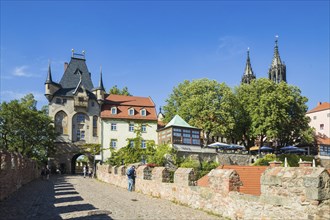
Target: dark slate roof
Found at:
x=71, y=76
x=69, y=92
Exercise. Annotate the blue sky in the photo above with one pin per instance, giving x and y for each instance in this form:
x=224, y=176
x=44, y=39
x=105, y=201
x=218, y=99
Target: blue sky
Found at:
x=152, y=46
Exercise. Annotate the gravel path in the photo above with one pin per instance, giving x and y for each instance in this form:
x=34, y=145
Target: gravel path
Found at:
x=75, y=197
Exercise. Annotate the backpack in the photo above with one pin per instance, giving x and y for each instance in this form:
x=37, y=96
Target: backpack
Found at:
x=130, y=172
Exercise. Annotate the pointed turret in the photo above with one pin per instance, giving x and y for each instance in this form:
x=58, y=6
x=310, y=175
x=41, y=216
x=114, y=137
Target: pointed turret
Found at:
x=101, y=81
x=49, y=75
x=100, y=91
x=277, y=71
x=248, y=75
x=50, y=86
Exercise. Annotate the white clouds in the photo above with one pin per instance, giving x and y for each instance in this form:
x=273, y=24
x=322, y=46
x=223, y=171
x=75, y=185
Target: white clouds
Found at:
x=12, y=95
x=21, y=71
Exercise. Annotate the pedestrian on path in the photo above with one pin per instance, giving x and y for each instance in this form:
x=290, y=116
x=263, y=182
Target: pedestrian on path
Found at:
x=47, y=172
x=85, y=171
x=131, y=174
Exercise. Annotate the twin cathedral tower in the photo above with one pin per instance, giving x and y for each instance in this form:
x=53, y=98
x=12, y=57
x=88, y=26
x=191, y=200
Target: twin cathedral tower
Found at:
x=276, y=72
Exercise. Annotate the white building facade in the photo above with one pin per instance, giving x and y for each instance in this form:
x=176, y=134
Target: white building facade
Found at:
x=320, y=121
x=121, y=116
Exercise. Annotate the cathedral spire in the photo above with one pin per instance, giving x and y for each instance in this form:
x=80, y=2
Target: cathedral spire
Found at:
x=276, y=58
x=277, y=71
x=248, y=72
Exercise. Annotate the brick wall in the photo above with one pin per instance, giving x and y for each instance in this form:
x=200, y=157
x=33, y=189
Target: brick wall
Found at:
x=310, y=195
x=15, y=171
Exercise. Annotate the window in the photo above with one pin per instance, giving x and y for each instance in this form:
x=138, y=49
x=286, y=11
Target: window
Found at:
x=177, y=134
x=131, y=143
x=143, y=112
x=131, y=111
x=80, y=135
x=113, y=143
x=80, y=118
x=113, y=126
x=143, y=128
x=314, y=117
x=321, y=126
x=324, y=150
x=143, y=144
x=61, y=122
x=93, y=104
x=81, y=99
x=177, y=129
x=196, y=142
x=186, y=140
x=131, y=127
x=64, y=101
x=113, y=110
x=94, y=126
x=195, y=136
x=58, y=101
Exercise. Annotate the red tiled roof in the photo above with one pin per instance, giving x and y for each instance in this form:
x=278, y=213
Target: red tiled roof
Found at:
x=124, y=103
x=320, y=107
x=325, y=141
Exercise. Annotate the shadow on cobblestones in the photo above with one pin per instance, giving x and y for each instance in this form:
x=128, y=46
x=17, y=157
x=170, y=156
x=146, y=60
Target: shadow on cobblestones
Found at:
x=49, y=199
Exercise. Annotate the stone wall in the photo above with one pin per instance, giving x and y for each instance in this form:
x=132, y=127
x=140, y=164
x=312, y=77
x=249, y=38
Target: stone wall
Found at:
x=15, y=171
x=287, y=193
x=235, y=159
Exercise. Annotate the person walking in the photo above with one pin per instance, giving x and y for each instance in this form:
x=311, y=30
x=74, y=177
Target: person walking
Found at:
x=131, y=178
x=47, y=172
x=85, y=170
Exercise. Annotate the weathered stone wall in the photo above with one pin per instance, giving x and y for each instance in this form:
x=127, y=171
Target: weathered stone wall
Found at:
x=222, y=196
x=15, y=171
x=235, y=159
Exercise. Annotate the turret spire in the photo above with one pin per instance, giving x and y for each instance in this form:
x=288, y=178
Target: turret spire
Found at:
x=101, y=81
x=49, y=74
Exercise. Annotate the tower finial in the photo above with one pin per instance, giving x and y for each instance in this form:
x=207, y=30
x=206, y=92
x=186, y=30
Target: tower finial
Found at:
x=276, y=39
x=72, y=50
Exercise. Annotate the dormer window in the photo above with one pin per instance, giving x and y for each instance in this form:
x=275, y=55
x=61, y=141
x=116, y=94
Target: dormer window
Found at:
x=131, y=111
x=143, y=112
x=113, y=110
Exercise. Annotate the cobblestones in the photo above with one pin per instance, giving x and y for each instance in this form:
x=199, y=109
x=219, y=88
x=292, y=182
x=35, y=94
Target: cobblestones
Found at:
x=75, y=197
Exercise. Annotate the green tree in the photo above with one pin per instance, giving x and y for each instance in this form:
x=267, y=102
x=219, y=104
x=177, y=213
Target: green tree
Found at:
x=161, y=154
x=274, y=111
x=204, y=104
x=26, y=130
x=115, y=90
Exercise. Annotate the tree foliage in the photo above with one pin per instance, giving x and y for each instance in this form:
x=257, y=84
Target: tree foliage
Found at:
x=26, y=130
x=204, y=104
x=115, y=90
x=274, y=111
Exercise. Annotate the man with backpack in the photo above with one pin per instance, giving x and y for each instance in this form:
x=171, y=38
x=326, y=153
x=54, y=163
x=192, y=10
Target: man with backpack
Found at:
x=131, y=177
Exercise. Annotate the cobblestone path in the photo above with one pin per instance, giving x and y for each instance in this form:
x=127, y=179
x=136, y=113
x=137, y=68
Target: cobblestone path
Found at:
x=75, y=197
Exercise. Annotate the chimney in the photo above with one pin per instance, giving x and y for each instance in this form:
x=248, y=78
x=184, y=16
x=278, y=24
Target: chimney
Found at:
x=319, y=103
x=65, y=66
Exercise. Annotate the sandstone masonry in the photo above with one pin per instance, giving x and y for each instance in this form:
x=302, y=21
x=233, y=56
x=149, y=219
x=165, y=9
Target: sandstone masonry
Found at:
x=15, y=171
x=286, y=193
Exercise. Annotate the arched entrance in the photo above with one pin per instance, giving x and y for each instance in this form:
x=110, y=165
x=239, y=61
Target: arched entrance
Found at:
x=77, y=167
